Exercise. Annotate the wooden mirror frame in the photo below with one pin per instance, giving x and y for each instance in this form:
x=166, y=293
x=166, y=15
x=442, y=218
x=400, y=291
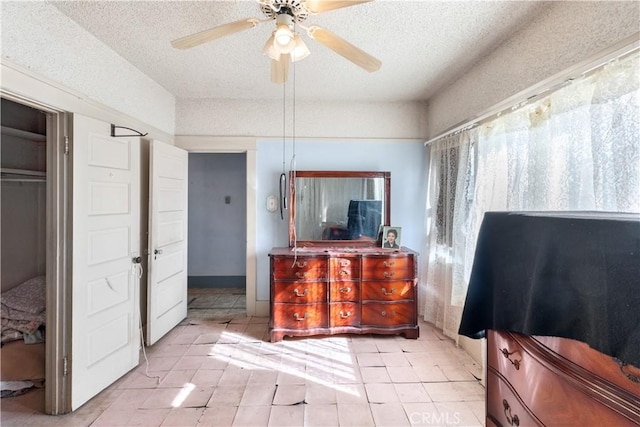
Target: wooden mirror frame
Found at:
x=335, y=174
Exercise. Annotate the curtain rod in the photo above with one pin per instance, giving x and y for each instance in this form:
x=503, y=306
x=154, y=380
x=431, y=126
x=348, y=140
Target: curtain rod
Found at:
x=618, y=50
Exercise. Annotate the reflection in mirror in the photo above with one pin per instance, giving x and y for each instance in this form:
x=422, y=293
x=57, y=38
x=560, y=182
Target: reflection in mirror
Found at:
x=335, y=206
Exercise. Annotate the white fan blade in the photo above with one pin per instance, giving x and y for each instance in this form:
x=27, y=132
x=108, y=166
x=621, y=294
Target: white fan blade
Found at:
x=345, y=49
x=214, y=33
x=319, y=6
x=280, y=69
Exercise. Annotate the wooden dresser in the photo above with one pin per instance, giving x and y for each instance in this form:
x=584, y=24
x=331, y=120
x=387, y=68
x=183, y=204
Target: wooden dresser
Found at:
x=551, y=381
x=326, y=291
x=556, y=295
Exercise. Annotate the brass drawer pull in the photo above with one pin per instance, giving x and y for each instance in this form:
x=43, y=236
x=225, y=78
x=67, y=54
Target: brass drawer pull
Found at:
x=385, y=292
x=514, y=362
x=343, y=273
x=387, y=274
x=345, y=263
x=384, y=313
x=344, y=315
x=512, y=420
x=389, y=264
x=298, y=294
x=298, y=318
x=626, y=371
x=301, y=264
x=344, y=290
x=301, y=275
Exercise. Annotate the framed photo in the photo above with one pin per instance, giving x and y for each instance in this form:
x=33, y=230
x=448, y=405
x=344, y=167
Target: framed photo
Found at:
x=391, y=237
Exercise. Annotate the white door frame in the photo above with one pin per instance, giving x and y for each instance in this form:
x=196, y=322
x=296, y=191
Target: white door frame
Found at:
x=212, y=144
x=58, y=235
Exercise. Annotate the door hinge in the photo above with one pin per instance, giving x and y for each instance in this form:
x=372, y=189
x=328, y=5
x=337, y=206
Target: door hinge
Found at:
x=66, y=144
x=65, y=366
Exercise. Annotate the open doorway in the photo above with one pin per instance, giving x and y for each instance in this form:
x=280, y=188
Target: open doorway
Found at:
x=217, y=267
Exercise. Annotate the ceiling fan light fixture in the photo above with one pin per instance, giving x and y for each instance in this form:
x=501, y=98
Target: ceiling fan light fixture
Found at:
x=284, y=34
x=270, y=49
x=300, y=51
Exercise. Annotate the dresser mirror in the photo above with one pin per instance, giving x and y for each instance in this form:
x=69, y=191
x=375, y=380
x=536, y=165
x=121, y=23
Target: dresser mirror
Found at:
x=338, y=207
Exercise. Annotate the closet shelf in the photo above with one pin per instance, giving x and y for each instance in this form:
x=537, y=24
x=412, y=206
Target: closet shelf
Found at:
x=3, y=179
x=38, y=137
x=22, y=175
x=23, y=172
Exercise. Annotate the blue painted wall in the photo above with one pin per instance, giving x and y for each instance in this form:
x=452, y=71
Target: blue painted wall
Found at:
x=406, y=161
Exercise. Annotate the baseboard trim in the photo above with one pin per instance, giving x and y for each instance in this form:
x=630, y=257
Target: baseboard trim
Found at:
x=217, y=281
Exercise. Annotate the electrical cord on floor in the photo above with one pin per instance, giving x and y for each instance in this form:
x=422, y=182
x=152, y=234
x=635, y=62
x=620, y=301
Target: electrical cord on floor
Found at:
x=144, y=353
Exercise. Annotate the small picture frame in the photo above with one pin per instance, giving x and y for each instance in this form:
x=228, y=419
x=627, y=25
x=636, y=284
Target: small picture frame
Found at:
x=391, y=237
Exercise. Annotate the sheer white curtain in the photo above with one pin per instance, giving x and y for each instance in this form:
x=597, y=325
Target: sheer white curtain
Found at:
x=451, y=182
x=576, y=149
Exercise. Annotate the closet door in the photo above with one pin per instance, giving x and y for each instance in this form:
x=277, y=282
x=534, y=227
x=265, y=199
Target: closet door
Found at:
x=105, y=331
x=167, y=279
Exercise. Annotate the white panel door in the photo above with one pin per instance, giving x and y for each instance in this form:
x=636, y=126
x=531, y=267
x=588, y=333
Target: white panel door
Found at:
x=167, y=287
x=105, y=331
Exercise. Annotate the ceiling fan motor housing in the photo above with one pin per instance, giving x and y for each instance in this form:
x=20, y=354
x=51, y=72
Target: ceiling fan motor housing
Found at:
x=294, y=8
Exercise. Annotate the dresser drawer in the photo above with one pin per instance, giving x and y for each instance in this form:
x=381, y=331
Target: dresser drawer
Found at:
x=504, y=354
x=344, y=314
x=344, y=268
x=300, y=316
x=504, y=407
x=552, y=387
x=388, y=314
x=300, y=292
x=391, y=290
x=290, y=268
x=612, y=370
x=388, y=268
x=344, y=291
x=524, y=372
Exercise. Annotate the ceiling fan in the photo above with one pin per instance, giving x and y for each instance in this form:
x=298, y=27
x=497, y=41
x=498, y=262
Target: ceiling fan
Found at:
x=285, y=45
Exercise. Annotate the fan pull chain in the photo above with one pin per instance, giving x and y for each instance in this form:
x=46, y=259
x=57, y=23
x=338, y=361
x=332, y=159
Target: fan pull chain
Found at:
x=293, y=133
x=293, y=158
x=284, y=122
x=282, y=183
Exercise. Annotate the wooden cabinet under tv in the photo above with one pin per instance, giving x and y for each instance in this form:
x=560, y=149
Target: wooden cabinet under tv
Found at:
x=329, y=290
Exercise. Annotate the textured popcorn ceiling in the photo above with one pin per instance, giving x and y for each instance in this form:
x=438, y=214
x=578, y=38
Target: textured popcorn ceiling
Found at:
x=423, y=45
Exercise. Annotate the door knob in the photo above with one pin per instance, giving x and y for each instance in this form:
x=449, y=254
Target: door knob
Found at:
x=136, y=260
x=157, y=251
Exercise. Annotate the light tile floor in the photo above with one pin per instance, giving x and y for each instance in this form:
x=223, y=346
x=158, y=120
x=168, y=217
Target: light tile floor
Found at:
x=216, y=372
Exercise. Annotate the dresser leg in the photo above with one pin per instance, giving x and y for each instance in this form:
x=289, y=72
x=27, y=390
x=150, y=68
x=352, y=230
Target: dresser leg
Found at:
x=411, y=334
x=275, y=336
